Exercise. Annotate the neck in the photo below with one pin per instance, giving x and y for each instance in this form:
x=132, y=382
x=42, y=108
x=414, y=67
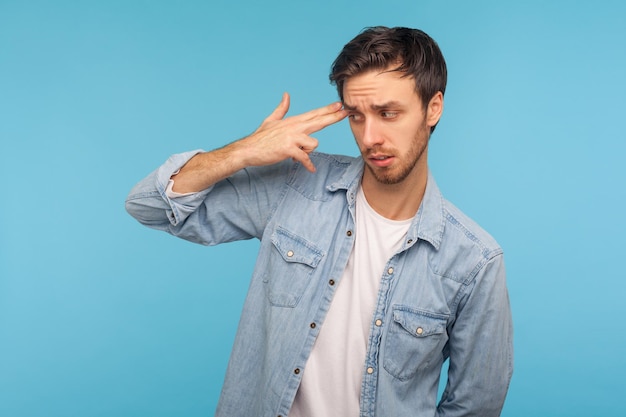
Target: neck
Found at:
x=396, y=201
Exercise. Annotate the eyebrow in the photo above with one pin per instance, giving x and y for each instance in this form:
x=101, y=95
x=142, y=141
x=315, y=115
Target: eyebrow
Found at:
x=383, y=106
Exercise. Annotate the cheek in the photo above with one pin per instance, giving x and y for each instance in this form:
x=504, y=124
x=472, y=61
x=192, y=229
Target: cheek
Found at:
x=408, y=131
x=399, y=133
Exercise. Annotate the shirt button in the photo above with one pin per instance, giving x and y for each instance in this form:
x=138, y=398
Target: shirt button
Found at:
x=290, y=253
x=296, y=371
x=370, y=370
x=313, y=325
x=419, y=330
x=379, y=322
x=331, y=282
x=390, y=271
x=349, y=233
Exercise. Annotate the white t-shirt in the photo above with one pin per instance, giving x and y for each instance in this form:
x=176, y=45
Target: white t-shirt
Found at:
x=331, y=383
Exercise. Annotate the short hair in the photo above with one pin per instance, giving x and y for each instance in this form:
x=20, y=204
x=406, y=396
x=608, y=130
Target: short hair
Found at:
x=415, y=53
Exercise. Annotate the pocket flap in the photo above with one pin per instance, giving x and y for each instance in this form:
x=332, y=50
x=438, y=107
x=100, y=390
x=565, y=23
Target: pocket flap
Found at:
x=419, y=323
x=293, y=248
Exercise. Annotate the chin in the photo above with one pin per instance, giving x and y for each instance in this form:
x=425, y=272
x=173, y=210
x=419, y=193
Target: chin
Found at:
x=387, y=177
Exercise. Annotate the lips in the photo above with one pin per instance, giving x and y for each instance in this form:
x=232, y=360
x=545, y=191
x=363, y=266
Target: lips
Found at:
x=380, y=160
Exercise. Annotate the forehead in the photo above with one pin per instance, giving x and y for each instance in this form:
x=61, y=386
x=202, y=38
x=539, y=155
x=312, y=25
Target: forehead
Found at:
x=376, y=86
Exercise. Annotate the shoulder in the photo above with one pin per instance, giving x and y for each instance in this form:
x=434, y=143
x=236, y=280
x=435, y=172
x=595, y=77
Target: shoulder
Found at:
x=462, y=224
x=465, y=246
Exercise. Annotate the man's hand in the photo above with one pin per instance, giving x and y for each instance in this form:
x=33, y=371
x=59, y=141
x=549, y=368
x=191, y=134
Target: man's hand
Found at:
x=277, y=139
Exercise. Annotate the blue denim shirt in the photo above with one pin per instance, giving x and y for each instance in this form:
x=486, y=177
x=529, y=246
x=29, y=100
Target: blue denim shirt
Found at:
x=443, y=295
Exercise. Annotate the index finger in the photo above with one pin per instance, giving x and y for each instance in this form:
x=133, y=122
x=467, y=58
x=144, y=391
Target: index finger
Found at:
x=321, y=111
x=320, y=121
x=317, y=119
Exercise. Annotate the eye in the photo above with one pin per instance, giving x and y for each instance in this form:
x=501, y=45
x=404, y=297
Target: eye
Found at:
x=389, y=114
x=355, y=117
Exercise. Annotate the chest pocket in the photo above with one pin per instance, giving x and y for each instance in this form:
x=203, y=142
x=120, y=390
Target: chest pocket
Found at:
x=415, y=342
x=291, y=262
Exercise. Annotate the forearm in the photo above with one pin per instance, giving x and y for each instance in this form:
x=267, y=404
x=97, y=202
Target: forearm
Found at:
x=208, y=168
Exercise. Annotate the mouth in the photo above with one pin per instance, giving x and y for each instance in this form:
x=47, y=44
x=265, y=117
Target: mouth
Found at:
x=380, y=160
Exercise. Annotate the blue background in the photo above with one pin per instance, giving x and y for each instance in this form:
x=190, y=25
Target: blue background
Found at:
x=100, y=316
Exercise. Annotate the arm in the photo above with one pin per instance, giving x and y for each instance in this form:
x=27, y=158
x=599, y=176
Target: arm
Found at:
x=238, y=177
x=275, y=140
x=480, y=348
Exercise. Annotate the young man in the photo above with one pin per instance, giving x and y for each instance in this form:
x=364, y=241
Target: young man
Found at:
x=367, y=279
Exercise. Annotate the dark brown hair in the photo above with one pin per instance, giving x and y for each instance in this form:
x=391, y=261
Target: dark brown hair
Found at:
x=413, y=52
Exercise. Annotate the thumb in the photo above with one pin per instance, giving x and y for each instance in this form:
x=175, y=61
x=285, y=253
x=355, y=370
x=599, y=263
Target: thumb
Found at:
x=282, y=109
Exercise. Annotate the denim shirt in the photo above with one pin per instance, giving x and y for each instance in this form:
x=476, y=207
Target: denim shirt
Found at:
x=442, y=295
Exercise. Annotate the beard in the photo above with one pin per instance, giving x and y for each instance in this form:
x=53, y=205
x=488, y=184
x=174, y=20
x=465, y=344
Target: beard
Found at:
x=398, y=173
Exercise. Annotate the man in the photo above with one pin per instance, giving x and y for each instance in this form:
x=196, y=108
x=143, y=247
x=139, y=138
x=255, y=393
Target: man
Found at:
x=367, y=279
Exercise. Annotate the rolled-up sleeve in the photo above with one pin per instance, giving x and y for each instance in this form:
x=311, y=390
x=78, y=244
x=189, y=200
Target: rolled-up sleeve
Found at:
x=148, y=201
x=236, y=208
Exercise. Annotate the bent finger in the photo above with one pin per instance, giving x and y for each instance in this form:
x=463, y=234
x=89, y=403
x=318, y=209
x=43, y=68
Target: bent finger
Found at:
x=309, y=144
x=303, y=157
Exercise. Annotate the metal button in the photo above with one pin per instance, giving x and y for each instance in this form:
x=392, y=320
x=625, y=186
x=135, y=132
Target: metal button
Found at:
x=378, y=322
x=408, y=242
x=331, y=282
x=419, y=330
x=349, y=233
x=370, y=370
x=296, y=371
x=390, y=271
x=313, y=325
x=290, y=253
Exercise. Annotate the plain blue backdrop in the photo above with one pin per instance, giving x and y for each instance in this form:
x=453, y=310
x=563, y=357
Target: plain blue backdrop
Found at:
x=100, y=316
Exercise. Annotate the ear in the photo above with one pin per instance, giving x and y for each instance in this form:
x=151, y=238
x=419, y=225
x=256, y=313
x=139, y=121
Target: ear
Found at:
x=435, y=109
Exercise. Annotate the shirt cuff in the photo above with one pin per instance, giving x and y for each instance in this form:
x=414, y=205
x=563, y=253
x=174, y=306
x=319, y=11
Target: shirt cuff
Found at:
x=170, y=184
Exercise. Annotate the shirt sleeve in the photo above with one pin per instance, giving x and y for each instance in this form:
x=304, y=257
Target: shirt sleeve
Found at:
x=480, y=348
x=236, y=208
x=169, y=190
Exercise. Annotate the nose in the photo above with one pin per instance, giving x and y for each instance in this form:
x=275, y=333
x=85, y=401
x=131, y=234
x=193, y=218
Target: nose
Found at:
x=372, y=135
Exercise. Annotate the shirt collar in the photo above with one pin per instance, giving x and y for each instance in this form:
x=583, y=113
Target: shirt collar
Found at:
x=351, y=177
x=429, y=221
